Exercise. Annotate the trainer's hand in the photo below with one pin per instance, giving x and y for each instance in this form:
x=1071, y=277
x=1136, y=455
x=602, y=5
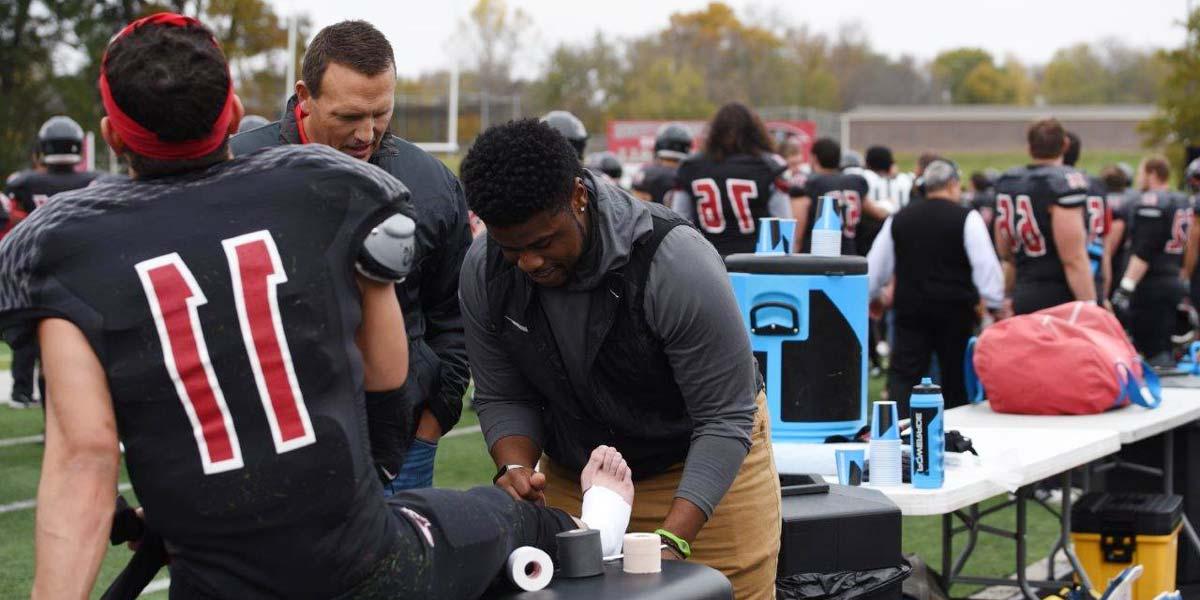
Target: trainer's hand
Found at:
x=524, y=484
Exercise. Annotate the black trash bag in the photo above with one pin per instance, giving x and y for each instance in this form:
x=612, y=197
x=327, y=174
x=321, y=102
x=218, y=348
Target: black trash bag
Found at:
x=844, y=585
x=923, y=583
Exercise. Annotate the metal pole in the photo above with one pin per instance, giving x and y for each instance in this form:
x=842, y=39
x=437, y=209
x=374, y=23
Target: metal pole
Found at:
x=452, y=107
x=485, y=113
x=289, y=79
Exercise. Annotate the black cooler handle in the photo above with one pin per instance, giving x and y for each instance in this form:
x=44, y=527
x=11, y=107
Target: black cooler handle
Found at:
x=774, y=329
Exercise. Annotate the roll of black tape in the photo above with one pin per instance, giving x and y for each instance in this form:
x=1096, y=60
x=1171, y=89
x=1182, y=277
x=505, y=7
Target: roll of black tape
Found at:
x=579, y=553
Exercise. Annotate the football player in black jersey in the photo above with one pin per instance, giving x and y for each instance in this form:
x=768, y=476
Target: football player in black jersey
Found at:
x=225, y=317
x=1041, y=233
x=60, y=148
x=570, y=127
x=1097, y=217
x=733, y=182
x=605, y=164
x=1120, y=198
x=982, y=198
x=1191, y=183
x=60, y=144
x=849, y=192
x=672, y=144
x=1155, y=282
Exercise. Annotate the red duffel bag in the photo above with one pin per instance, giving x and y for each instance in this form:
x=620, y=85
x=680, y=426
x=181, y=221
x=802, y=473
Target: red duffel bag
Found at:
x=1073, y=359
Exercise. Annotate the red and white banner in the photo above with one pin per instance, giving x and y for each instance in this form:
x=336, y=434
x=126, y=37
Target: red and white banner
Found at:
x=633, y=141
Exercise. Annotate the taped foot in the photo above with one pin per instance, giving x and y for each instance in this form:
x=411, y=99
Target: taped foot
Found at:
x=608, y=497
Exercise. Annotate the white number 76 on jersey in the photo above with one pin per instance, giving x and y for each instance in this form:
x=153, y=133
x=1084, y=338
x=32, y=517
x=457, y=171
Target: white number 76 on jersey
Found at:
x=175, y=297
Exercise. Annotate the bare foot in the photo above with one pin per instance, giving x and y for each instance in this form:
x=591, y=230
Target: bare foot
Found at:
x=607, y=468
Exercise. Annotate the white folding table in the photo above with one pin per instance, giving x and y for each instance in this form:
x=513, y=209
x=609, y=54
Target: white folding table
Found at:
x=1012, y=459
x=1132, y=424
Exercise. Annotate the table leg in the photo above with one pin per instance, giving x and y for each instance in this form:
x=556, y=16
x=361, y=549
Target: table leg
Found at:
x=1022, y=575
x=1064, y=537
x=1169, y=462
x=1191, y=533
x=1169, y=486
x=947, y=550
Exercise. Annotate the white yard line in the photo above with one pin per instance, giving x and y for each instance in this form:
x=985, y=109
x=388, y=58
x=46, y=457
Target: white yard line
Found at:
x=463, y=431
x=28, y=504
x=19, y=441
x=158, y=585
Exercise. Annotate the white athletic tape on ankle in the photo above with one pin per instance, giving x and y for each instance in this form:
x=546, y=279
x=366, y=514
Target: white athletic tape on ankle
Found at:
x=607, y=512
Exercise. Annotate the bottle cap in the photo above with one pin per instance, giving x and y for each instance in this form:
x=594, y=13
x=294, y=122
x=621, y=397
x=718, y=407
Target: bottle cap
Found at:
x=927, y=387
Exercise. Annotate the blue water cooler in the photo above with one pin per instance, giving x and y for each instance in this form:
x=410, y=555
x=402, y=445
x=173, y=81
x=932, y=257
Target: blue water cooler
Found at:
x=807, y=318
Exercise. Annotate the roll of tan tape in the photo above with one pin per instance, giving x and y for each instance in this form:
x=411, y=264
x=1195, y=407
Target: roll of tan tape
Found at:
x=643, y=553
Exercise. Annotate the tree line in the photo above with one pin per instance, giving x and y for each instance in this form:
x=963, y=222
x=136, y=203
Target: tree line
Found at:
x=50, y=52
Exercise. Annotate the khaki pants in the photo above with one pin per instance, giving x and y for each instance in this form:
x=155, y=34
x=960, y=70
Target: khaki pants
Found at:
x=741, y=539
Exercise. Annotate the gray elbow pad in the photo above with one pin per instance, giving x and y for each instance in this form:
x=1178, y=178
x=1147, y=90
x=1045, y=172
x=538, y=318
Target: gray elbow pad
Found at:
x=389, y=249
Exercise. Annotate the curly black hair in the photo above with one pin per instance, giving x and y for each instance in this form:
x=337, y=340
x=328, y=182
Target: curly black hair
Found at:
x=173, y=81
x=517, y=170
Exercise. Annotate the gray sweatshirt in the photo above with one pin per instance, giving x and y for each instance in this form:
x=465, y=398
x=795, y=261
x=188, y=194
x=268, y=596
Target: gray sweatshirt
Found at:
x=689, y=305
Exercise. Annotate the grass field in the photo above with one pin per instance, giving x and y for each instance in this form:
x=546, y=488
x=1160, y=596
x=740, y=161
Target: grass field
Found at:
x=462, y=462
x=969, y=162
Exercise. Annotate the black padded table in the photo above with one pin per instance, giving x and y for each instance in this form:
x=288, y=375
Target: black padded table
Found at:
x=679, y=580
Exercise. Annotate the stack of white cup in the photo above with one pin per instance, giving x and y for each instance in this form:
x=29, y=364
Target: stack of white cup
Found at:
x=884, y=449
x=827, y=242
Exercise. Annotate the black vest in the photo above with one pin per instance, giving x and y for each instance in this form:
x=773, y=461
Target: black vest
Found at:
x=636, y=405
x=932, y=267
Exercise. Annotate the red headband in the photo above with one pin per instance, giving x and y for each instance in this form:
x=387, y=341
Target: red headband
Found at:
x=145, y=142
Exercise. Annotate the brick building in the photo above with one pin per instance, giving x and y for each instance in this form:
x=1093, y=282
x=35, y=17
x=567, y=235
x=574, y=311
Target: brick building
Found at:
x=987, y=128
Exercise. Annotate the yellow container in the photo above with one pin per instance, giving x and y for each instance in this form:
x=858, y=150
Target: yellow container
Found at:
x=1156, y=553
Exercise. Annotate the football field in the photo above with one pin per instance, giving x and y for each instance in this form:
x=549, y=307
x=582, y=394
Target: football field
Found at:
x=462, y=462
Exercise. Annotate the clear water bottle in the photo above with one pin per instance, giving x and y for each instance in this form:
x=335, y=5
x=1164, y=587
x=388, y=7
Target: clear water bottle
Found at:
x=928, y=436
x=827, y=231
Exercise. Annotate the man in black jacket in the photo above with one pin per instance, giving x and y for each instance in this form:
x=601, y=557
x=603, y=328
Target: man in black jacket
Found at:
x=345, y=101
x=944, y=264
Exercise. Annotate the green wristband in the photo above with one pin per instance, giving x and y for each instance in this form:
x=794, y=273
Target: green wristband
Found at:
x=679, y=544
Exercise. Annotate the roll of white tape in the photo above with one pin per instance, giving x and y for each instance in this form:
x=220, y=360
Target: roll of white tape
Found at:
x=529, y=568
x=643, y=553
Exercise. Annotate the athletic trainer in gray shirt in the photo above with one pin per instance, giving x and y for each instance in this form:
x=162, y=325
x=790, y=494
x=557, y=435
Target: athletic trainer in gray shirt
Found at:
x=594, y=318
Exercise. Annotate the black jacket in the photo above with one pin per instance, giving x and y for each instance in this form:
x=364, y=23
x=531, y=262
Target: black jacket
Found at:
x=438, y=371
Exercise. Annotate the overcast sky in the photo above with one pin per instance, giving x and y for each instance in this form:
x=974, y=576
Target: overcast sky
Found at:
x=422, y=31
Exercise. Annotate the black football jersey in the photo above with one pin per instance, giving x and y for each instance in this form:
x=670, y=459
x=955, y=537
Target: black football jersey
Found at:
x=848, y=191
x=656, y=180
x=1159, y=231
x=1024, y=196
x=984, y=203
x=31, y=189
x=1120, y=204
x=223, y=308
x=731, y=196
x=1096, y=210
